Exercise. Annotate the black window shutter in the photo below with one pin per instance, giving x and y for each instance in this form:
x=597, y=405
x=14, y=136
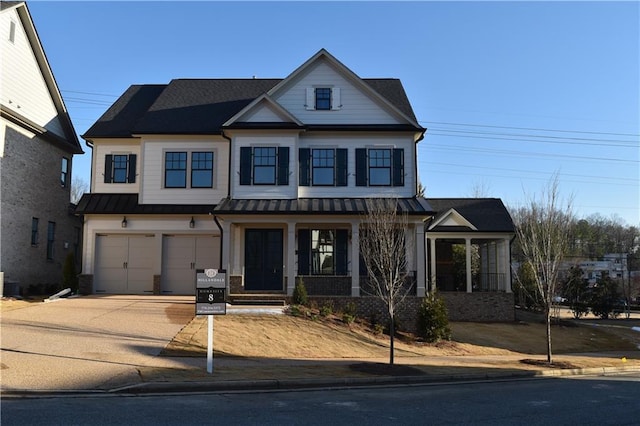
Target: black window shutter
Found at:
x=361, y=167
x=283, y=165
x=304, y=155
x=342, y=247
x=303, y=251
x=108, y=165
x=341, y=167
x=398, y=167
x=132, y=168
x=245, y=165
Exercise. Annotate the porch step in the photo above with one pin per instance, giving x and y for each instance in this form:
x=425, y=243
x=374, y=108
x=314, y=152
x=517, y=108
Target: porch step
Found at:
x=254, y=299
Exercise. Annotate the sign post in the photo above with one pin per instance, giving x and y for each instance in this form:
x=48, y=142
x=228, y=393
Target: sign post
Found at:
x=211, y=287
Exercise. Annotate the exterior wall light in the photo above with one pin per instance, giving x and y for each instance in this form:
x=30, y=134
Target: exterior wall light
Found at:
x=192, y=223
x=124, y=222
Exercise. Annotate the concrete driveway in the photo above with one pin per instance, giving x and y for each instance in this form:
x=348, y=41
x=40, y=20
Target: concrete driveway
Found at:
x=94, y=342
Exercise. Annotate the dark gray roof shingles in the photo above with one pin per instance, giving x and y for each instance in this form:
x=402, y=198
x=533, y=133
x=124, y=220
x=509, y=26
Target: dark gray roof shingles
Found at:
x=486, y=214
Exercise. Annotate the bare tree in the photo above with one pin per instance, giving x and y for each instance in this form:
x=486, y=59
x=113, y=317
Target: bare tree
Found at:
x=542, y=228
x=383, y=245
x=78, y=187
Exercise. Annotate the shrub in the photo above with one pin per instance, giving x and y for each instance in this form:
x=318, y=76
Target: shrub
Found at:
x=300, y=296
x=69, y=275
x=326, y=309
x=604, y=297
x=433, y=320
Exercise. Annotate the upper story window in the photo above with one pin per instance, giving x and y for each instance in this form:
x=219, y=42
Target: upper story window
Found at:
x=202, y=169
x=120, y=168
x=264, y=165
x=12, y=31
x=379, y=167
x=64, y=172
x=323, y=98
x=323, y=167
x=179, y=172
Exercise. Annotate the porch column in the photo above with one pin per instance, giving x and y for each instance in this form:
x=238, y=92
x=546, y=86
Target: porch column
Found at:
x=506, y=264
x=290, y=266
x=467, y=242
x=355, y=259
x=432, y=272
x=226, y=244
x=421, y=261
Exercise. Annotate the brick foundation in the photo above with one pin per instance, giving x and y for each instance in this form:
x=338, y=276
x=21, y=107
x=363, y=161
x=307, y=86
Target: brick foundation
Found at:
x=85, y=284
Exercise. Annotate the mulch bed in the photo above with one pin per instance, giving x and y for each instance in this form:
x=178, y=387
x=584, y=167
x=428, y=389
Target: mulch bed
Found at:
x=380, y=369
x=544, y=363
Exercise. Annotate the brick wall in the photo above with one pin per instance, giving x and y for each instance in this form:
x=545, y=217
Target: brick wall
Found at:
x=30, y=185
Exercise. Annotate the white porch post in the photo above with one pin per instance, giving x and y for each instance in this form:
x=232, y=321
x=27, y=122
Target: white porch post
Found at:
x=432, y=272
x=421, y=261
x=467, y=243
x=291, y=258
x=226, y=244
x=355, y=259
x=506, y=264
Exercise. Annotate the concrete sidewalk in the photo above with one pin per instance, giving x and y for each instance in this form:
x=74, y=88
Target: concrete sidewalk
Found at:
x=111, y=344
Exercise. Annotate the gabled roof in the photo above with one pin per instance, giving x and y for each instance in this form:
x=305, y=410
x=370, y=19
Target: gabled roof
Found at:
x=485, y=214
x=204, y=106
x=70, y=142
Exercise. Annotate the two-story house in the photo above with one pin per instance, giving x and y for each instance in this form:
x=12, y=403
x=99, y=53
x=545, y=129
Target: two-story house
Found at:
x=265, y=178
x=37, y=142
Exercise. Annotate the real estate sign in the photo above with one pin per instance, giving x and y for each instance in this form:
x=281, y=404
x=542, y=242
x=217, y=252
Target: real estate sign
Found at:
x=211, y=287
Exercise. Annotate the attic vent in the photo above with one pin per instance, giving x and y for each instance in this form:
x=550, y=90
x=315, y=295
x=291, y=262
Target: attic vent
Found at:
x=12, y=32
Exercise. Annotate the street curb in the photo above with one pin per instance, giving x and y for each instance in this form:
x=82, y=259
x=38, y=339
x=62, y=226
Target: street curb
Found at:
x=150, y=388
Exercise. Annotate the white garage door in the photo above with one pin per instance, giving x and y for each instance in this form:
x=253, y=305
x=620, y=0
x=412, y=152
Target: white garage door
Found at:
x=124, y=264
x=181, y=256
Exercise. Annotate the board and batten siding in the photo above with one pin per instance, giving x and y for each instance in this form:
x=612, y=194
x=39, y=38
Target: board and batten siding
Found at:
x=152, y=182
x=24, y=89
x=265, y=191
x=351, y=143
x=356, y=108
x=102, y=148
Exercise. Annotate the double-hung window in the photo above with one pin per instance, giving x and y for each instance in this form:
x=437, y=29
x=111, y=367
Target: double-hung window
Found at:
x=184, y=169
x=64, y=172
x=120, y=168
x=379, y=167
x=322, y=251
x=264, y=165
x=323, y=167
x=323, y=99
x=175, y=170
x=202, y=169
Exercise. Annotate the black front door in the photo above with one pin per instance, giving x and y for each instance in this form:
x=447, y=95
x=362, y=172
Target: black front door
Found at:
x=263, y=259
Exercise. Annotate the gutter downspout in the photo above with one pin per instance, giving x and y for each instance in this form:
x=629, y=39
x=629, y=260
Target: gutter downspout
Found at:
x=415, y=157
x=215, y=219
x=229, y=166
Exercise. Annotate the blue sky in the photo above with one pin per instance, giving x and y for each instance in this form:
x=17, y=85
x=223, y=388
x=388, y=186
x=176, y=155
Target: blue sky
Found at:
x=511, y=92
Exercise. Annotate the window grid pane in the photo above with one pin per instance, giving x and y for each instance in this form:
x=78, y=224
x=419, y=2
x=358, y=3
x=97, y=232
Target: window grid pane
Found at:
x=379, y=167
x=323, y=98
x=264, y=166
x=202, y=170
x=51, y=232
x=323, y=163
x=65, y=172
x=119, y=169
x=175, y=170
x=34, y=231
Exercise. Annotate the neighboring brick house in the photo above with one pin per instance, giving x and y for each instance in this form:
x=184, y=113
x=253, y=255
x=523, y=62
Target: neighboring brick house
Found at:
x=37, y=144
x=265, y=178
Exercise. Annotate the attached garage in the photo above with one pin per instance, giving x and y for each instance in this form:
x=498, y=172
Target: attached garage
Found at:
x=182, y=255
x=124, y=264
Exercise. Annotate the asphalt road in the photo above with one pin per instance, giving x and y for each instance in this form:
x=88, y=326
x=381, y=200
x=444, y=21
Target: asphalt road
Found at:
x=581, y=400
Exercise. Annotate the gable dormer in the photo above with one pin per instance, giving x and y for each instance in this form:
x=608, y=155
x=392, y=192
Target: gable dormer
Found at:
x=324, y=91
x=262, y=111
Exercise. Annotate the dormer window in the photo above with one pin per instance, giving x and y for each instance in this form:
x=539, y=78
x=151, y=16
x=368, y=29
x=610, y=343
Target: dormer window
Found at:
x=323, y=99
